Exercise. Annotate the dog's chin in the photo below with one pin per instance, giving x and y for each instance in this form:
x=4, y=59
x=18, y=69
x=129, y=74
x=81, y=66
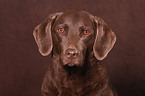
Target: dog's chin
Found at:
x=74, y=69
x=71, y=65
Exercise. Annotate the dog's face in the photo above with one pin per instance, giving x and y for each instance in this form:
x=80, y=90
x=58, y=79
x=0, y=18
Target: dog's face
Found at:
x=72, y=34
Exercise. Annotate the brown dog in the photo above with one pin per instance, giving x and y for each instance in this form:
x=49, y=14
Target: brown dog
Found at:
x=77, y=41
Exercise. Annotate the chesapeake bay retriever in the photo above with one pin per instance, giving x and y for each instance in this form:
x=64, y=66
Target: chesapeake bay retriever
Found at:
x=77, y=42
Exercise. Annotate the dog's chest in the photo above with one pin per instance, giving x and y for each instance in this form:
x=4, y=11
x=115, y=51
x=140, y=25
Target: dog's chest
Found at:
x=76, y=84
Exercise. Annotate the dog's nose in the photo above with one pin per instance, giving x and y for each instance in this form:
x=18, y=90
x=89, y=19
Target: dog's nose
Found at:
x=71, y=53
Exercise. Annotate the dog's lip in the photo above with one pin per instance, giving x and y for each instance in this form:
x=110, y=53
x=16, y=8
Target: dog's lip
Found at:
x=71, y=64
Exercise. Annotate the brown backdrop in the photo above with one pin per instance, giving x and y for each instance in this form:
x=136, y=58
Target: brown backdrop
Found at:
x=22, y=67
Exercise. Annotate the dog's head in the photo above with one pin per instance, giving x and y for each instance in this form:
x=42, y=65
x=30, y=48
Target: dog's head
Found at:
x=73, y=35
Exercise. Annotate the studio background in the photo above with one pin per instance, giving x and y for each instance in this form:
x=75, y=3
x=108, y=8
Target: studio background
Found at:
x=22, y=68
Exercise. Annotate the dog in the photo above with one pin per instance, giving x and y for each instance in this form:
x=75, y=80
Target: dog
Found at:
x=77, y=41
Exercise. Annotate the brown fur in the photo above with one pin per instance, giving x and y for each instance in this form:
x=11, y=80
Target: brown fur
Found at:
x=80, y=75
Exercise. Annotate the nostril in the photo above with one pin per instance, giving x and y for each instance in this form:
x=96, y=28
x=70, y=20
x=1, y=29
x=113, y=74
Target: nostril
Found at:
x=68, y=55
x=71, y=53
x=75, y=54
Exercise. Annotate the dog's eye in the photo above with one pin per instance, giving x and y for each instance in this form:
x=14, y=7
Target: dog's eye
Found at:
x=60, y=30
x=86, y=32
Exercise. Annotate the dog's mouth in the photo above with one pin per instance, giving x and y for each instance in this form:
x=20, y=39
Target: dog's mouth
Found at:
x=71, y=68
x=70, y=64
x=74, y=69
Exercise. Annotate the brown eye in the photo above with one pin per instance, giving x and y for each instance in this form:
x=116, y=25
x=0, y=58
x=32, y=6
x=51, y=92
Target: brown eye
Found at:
x=60, y=30
x=86, y=32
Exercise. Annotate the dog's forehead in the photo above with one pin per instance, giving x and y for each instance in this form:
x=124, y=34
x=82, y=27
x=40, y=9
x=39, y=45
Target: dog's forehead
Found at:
x=75, y=18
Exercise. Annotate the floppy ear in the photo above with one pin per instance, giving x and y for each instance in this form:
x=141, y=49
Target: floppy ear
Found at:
x=42, y=35
x=104, y=40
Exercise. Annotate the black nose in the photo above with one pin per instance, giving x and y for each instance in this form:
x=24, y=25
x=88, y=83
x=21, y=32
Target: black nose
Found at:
x=71, y=53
